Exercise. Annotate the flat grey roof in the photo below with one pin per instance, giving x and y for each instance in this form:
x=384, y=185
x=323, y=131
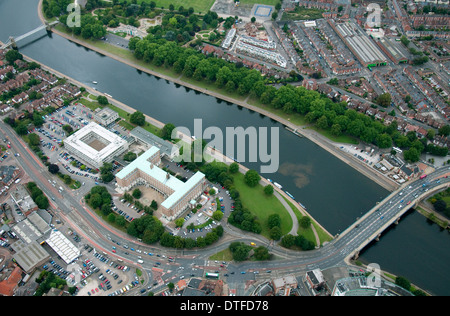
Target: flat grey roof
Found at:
x=29, y=255
x=164, y=146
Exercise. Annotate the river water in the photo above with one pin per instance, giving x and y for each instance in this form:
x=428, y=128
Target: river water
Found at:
x=334, y=194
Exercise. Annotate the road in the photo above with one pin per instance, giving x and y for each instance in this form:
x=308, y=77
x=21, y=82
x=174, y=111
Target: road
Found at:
x=72, y=211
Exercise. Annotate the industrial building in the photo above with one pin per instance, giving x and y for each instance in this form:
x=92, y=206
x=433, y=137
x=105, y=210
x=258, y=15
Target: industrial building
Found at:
x=359, y=43
x=393, y=50
x=179, y=195
x=95, y=145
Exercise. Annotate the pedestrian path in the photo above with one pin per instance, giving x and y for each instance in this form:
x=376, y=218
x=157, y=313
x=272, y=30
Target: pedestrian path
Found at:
x=294, y=228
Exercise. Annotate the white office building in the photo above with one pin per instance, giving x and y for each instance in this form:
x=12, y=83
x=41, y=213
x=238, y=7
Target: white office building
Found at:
x=95, y=145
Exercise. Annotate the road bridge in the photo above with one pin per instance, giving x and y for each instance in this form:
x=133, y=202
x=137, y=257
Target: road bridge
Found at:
x=390, y=210
x=13, y=40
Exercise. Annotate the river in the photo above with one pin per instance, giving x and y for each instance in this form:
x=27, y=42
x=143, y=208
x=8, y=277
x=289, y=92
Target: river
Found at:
x=334, y=194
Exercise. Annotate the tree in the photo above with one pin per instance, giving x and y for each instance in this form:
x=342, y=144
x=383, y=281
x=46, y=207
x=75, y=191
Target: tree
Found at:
x=179, y=222
x=322, y=122
x=384, y=100
x=336, y=130
x=102, y=100
x=166, y=131
x=239, y=250
x=274, y=220
x=217, y=215
x=234, y=167
x=37, y=119
x=268, y=189
x=403, y=282
x=21, y=129
x=137, y=193
x=288, y=241
x=230, y=86
x=53, y=169
x=420, y=60
x=305, y=222
x=252, y=178
x=34, y=139
x=384, y=141
x=262, y=253
x=404, y=40
x=444, y=130
x=129, y=156
x=137, y=118
x=42, y=202
x=412, y=155
x=431, y=134
x=12, y=55
x=275, y=233
x=440, y=206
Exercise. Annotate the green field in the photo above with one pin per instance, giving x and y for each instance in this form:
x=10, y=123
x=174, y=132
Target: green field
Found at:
x=200, y=6
x=262, y=205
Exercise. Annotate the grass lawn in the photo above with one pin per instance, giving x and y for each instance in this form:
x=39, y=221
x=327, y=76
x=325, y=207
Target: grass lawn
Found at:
x=92, y=105
x=224, y=255
x=200, y=6
x=261, y=205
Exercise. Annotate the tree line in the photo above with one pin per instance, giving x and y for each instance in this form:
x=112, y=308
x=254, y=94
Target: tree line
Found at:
x=317, y=108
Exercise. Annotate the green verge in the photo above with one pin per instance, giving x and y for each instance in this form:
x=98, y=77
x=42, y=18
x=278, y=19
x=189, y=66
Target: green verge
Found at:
x=261, y=205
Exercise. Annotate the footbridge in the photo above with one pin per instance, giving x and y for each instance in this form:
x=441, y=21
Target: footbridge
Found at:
x=389, y=211
x=12, y=42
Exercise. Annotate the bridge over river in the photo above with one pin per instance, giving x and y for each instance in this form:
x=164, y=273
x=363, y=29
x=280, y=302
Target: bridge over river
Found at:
x=389, y=211
x=14, y=40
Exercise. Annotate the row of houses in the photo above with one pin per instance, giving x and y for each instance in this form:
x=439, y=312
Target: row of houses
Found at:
x=358, y=86
x=431, y=21
x=261, y=53
x=286, y=42
x=428, y=90
x=15, y=83
x=310, y=63
x=49, y=91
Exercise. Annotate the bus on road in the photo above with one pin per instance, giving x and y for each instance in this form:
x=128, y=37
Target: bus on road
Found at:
x=209, y=275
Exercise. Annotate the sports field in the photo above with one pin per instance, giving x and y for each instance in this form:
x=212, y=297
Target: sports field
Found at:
x=200, y=6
